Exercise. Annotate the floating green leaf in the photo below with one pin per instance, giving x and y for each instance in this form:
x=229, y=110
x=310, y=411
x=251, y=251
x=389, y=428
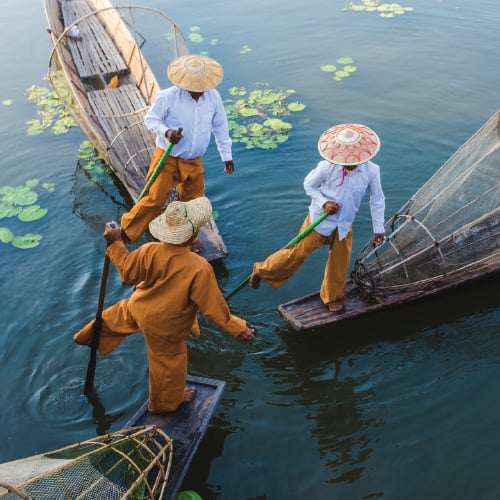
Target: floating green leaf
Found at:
x=51, y=112
x=296, y=106
x=244, y=111
x=196, y=37
x=215, y=215
x=329, y=68
x=255, y=116
x=345, y=60
x=29, y=240
x=6, y=235
x=8, y=210
x=384, y=9
x=7, y=102
x=245, y=49
x=31, y=213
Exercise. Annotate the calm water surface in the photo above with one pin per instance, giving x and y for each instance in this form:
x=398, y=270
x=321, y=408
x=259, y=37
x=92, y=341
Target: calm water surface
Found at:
x=403, y=404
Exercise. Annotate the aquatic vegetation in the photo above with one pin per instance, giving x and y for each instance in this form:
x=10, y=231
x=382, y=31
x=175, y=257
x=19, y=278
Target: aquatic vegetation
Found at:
x=383, y=9
x=245, y=49
x=340, y=73
x=50, y=111
x=195, y=36
x=93, y=164
x=255, y=116
x=7, y=102
x=20, y=202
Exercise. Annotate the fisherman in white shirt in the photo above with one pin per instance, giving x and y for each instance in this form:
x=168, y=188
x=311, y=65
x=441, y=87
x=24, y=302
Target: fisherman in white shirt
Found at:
x=195, y=106
x=336, y=186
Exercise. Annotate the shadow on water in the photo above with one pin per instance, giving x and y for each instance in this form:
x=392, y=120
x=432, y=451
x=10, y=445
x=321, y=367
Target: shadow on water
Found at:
x=399, y=322
x=100, y=417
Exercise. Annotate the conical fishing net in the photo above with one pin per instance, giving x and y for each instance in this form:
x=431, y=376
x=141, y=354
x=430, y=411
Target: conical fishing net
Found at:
x=448, y=232
x=129, y=464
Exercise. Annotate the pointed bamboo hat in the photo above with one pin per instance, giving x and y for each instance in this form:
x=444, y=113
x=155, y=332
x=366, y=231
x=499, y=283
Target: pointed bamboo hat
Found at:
x=180, y=221
x=348, y=144
x=195, y=72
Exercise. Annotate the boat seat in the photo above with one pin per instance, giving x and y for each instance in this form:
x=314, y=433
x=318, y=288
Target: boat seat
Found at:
x=93, y=50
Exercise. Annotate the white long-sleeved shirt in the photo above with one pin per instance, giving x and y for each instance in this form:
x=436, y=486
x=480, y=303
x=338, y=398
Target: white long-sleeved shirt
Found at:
x=174, y=108
x=329, y=182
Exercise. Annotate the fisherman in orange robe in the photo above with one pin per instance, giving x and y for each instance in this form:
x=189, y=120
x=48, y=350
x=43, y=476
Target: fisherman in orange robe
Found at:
x=171, y=284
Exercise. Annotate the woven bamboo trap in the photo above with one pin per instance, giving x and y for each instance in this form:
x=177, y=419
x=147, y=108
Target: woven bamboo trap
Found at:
x=449, y=231
x=128, y=464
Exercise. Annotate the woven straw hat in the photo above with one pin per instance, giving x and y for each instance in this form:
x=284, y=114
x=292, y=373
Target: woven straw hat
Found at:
x=348, y=144
x=195, y=73
x=180, y=221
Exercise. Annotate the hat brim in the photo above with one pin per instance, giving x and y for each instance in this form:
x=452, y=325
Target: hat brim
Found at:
x=197, y=213
x=349, y=154
x=195, y=73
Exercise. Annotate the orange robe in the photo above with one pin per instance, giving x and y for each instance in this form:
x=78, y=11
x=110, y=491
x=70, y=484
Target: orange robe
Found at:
x=172, y=284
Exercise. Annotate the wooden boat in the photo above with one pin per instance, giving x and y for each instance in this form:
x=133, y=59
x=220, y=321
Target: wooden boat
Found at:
x=186, y=426
x=99, y=69
x=149, y=460
x=446, y=236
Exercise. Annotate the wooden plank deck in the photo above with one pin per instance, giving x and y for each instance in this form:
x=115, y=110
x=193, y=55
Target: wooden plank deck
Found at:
x=96, y=53
x=113, y=118
x=186, y=426
x=309, y=312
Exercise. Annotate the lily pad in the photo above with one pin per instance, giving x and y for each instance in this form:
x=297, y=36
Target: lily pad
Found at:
x=296, y=106
x=7, y=102
x=31, y=213
x=345, y=60
x=249, y=111
x=328, y=68
x=6, y=235
x=29, y=240
x=8, y=210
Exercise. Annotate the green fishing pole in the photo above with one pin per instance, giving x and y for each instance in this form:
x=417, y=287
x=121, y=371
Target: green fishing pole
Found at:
x=290, y=244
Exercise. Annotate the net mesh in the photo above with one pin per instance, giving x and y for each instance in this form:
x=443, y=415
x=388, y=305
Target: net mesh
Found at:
x=448, y=231
x=129, y=464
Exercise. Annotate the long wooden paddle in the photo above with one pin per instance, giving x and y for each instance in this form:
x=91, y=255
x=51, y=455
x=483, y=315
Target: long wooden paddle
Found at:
x=290, y=244
x=96, y=330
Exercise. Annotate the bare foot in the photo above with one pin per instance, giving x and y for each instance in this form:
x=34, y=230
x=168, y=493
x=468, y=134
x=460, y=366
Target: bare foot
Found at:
x=254, y=279
x=197, y=246
x=188, y=394
x=335, y=307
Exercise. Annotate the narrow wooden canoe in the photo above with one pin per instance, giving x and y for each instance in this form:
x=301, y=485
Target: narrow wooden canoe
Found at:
x=186, y=426
x=98, y=68
x=446, y=236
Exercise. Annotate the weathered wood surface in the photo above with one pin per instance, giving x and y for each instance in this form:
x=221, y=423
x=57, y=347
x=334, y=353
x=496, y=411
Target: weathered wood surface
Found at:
x=112, y=118
x=95, y=54
x=186, y=426
x=309, y=312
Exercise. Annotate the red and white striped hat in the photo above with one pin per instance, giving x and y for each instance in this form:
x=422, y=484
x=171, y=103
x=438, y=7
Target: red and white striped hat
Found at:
x=348, y=144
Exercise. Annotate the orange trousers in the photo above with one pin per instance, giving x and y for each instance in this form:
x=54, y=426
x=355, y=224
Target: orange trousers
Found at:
x=167, y=357
x=279, y=267
x=185, y=175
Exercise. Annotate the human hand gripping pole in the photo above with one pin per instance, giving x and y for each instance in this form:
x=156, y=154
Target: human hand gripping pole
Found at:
x=290, y=244
x=96, y=330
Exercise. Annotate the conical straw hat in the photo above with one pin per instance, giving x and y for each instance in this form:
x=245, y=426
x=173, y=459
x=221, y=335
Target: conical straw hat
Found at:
x=180, y=221
x=195, y=73
x=348, y=144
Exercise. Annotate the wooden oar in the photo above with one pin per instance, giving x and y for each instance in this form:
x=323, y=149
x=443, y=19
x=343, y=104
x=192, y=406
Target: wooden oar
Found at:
x=96, y=330
x=290, y=244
